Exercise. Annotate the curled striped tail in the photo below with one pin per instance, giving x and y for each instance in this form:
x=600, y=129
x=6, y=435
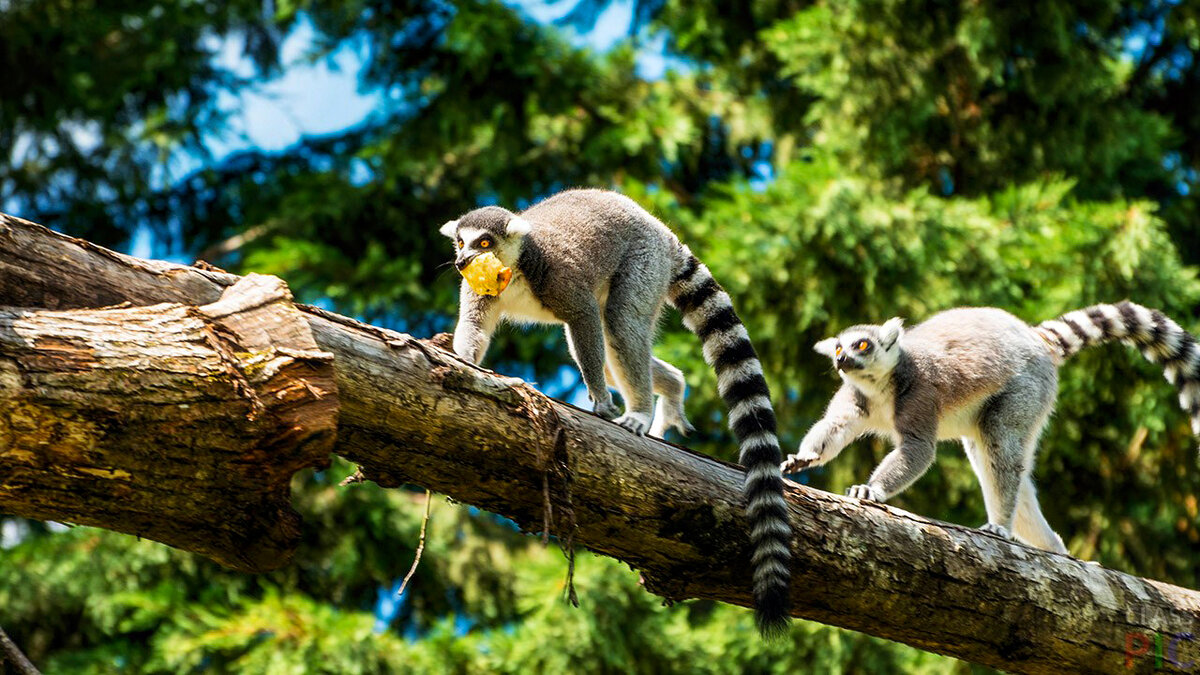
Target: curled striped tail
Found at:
x=1160, y=340
x=708, y=312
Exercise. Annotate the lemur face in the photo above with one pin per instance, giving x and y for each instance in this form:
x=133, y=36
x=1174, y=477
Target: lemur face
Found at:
x=864, y=351
x=491, y=229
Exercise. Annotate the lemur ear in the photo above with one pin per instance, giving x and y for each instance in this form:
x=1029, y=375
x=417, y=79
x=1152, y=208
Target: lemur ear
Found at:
x=891, y=331
x=827, y=347
x=517, y=227
x=449, y=229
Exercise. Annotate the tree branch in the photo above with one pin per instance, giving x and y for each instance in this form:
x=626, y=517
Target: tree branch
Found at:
x=10, y=652
x=178, y=423
x=412, y=413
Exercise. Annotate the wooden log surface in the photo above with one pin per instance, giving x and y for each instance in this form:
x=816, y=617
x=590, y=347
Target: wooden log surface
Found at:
x=410, y=412
x=174, y=422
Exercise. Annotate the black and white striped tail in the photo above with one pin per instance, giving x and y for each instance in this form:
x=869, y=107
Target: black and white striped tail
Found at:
x=1160, y=340
x=708, y=312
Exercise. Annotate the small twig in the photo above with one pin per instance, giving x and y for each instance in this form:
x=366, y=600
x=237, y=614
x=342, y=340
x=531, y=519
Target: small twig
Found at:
x=569, y=550
x=560, y=443
x=547, y=508
x=230, y=245
x=202, y=264
x=9, y=651
x=420, y=545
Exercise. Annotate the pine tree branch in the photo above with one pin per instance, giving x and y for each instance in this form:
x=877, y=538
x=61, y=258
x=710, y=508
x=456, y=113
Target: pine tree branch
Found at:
x=413, y=413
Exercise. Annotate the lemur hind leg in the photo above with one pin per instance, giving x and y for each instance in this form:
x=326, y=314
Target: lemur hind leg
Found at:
x=1000, y=506
x=670, y=387
x=638, y=407
x=1009, y=425
x=1030, y=525
x=630, y=311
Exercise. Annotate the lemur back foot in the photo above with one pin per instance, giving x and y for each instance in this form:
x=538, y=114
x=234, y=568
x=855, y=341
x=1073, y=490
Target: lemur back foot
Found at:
x=636, y=422
x=864, y=492
x=998, y=530
x=670, y=415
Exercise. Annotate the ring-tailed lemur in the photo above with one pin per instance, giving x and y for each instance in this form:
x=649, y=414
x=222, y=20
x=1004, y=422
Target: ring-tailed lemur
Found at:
x=985, y=376
x=602, y=265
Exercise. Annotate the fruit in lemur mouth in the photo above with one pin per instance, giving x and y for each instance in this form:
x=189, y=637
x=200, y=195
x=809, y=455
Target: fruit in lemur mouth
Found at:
x=487, y=275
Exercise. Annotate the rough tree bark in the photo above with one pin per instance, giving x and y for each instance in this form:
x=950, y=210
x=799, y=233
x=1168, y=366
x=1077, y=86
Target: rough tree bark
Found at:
x=10, y=653
x=178, y=423
x=410, y=412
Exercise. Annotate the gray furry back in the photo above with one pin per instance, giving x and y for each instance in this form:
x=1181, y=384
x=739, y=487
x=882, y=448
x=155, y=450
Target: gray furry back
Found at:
x=1160, y=340
x=590, y=233
x=708, y=312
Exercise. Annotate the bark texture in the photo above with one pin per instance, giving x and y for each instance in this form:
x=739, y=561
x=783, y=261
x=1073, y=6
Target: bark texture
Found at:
x=410, y=412
x=178, y=423
x=11, y=653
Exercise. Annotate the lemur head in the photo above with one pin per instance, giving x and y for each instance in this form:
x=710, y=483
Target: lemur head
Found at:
x=865, y=352
x=491, y=229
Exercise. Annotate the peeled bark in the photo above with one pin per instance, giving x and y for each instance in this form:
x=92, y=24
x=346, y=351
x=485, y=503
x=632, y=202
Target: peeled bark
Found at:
x=410, y=412
x=178, y=423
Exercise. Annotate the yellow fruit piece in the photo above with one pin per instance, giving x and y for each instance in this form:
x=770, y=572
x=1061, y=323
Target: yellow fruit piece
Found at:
x=486, y=275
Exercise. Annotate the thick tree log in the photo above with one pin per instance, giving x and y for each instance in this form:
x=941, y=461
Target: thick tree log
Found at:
x=173, y=422
x=413, y=413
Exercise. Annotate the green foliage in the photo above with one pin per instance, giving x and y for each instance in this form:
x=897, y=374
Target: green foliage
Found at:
x=922, y=155
x=267, y=629
x=957, y=94
x=96, y=95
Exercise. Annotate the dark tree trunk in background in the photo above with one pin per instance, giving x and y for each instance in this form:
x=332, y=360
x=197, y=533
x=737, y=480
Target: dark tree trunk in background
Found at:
x=408, y=412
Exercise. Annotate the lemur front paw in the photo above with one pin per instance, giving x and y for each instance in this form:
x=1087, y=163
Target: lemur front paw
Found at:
x=811, y=453
x=801, y=460
x=606, y=409
x=998, y=530
x=636, y=422
x=865, y=492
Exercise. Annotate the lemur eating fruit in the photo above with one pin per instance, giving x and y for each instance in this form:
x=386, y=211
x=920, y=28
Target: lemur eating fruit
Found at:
x=602, y=266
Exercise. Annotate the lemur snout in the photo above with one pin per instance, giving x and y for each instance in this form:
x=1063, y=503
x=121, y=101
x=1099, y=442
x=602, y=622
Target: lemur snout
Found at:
x=461, y=263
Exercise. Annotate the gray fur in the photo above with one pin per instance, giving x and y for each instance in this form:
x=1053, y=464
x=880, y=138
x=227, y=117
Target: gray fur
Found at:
x=602, y=266
x=983, y=376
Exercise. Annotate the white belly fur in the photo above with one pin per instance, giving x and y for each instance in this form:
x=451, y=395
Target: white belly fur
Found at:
x=954, y=424
x=518, y=304
x=961, y=421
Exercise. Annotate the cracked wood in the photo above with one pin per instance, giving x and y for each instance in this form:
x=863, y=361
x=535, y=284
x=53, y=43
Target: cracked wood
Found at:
x=178, y=423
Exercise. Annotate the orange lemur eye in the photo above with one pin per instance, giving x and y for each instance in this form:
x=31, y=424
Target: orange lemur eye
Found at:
x=485, y=243
x=837, y=351
x=460, y=243
x=862, y=345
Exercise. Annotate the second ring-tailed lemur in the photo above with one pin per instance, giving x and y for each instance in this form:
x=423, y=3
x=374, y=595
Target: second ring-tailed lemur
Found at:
x=985, y=376
x=601, y=265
